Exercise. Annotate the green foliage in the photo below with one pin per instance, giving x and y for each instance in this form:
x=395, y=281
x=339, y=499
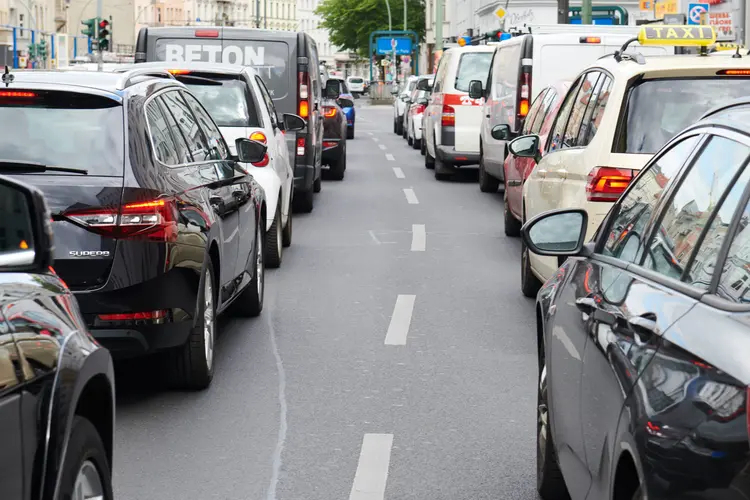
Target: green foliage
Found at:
x=350, y=22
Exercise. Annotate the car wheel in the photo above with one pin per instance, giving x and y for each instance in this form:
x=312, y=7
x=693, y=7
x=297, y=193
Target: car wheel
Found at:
x=193, y=366
x=416, y=144
x=429, y=161
x=512, y=225
x=409, y=141
x=422, y=147
x=439, y=174
x=398, y=127
x=395, y=126
x=318, y=184
x=487, y=183
x=286, y=235
x=304, y=201
x=337, y=169
x=250, y=301
x=530, y=284
x=274, y=247
x=350, y=133
x=86, y=472
x=549, y=479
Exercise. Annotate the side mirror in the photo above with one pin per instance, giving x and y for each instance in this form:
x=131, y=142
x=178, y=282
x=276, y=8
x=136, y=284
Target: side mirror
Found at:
x=293, y=123
x=526, y=146
x=501, y=132
x=475, y=89
x=25, y=221
x=250, y=151
x=424, y=85
x=423, y=101
x=332, y=89
x=557, y=232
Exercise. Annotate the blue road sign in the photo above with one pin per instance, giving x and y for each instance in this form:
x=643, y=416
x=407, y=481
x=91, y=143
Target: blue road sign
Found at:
x=385, y=45
x=695, y=10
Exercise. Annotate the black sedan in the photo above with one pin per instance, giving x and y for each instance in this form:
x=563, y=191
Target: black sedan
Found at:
x=334, y=131
x=644, y=332
x=56, y=383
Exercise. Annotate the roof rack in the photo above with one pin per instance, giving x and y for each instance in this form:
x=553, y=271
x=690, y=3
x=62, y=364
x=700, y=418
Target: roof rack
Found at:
x=129, y=75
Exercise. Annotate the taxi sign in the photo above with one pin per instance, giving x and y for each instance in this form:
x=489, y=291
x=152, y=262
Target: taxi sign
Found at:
x=680, y=36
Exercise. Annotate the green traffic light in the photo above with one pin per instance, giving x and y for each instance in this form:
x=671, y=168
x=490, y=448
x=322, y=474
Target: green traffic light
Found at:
x=90, y=29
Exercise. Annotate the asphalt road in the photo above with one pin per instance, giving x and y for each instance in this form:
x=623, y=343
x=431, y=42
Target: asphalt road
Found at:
x=394, y=346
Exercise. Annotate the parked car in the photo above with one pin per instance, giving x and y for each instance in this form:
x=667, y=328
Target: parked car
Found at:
x=57, y=386
x=401, y=95
x=414, y=120
x=345, y=101
x=643, y=387
x=241, y=105
x=287, y=62
x=356, y=84
x=157, y=228
x=334, y=138
x=424, y=82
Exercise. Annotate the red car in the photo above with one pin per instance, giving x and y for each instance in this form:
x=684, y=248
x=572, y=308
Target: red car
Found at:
x=539, y=121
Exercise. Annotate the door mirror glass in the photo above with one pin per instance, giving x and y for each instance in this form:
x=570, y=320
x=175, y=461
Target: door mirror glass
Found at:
x=332, y=89
x=345, y=103
x=475, y=89
x=558, y=232
x=526, y=146
x=501, y=132
x=424, y=85
x=250, y=151
x=25, y=233
x=293, y=123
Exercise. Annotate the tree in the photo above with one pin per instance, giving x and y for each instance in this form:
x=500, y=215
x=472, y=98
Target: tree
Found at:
x=350, y=22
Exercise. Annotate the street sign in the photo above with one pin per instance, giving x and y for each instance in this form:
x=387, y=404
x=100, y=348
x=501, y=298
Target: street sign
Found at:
x=695, y=11
x=678, y=19
x=500, y=13
x=385, y=46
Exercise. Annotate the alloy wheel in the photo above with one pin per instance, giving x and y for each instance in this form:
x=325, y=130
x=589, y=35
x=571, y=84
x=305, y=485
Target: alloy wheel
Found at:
x=88, y=485
x=259, y=267
x=208, y=321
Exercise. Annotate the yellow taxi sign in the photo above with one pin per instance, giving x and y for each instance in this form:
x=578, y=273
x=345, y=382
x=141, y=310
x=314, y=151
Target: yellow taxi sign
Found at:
x=679, y=36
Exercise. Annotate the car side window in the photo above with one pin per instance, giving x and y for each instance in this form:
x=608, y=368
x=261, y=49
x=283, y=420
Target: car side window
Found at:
x=734, y=284
x=626, y=232
x=595, y=111
x=268, y=101
x=441, y=70
x=195, y=137
x=217, y=147
x=181, y=145
x=161, y=138
x=690, y=211
x=534, y=112
x=580, y=105
x=555, y=141
x=549, y=98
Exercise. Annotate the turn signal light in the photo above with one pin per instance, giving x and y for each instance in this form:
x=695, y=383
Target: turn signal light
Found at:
x=260, y=137
x=300, y=146
x=330, y=111
x=607, y=183
x=590, y=39
x=152, y=220
x=448, y=118
x=304, y=109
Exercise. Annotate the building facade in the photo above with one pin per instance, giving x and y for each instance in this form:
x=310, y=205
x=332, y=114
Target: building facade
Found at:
x=31, y=17
x=309, y=22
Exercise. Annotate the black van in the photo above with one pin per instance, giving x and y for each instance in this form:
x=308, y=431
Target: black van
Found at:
x=271, y=53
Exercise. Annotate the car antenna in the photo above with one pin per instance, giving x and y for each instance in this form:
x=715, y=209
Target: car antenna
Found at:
x=7, y=77
x=737, y=54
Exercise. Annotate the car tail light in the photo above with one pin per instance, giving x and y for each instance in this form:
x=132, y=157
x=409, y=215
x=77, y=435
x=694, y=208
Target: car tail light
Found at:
x=523, y=103
x=16, y=94
x=303, y=80
x=419, y=109
x=733, y=72
x=329, y=144
x=207, y=33
x=590, y=39
x=330, y=111
x=179, y=71
x=260, y=137
x=300, y=146
x=154, y=220
x=607, y=183
x=147, y=315
x=448, y=118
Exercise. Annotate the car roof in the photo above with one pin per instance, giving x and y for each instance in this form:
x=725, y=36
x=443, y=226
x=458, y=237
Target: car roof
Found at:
x=474, y=48
x=204, y=67
x=76, y=81
x=741, y=102
x=670, y=65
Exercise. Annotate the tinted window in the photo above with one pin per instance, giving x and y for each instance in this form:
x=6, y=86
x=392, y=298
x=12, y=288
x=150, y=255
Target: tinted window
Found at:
x=216, y=142
x=624, y=240
x=229, y=103
x=55, y=128
x=580, y=105
x=266, y=99
x=161, y=138
x=535, y=113
x=472, y=66
x=505, y=74
x=549, y=99
x=15, y=222
x=659, y=109
x=595, y=112
x=356, y=80
x=556, y=137
x=692, y=205
x=734, y=284
x=183, y=152
x=196, y=140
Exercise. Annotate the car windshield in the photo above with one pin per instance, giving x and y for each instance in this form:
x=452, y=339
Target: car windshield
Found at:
x=472, y=66
x=63, y=129
x=659, y=109
x=227, y=103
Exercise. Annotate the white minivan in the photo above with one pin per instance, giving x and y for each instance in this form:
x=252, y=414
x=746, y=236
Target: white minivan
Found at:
x=524, y=65
x=356, y=84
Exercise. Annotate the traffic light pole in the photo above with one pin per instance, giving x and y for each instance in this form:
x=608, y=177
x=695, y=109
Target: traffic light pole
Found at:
x=99, y=57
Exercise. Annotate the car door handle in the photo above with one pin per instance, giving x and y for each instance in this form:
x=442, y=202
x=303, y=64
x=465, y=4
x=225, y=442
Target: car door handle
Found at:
x=645, y=325
x=487, y=115
x=563, y=173
x=586, y=304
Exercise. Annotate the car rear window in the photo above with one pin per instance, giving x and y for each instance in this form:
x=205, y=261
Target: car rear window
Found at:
x=229, y=104
x=356, y=80
x=62, y=129
x=657, y=110
x=472, y=66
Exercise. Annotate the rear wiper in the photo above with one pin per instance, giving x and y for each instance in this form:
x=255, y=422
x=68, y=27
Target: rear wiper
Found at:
x=34, y=167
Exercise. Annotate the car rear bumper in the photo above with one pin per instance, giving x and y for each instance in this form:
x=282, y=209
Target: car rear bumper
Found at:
x=304, y=176
x=448, y=154
x=333, y=153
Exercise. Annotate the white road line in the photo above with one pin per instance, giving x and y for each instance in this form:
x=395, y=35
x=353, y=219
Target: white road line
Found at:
x=398, y=329
x=418, y=238
x=382, y=146
x=367, y=132
x=410, y=196
x=399, y=173
x=374, y=238
x=375, y=139
x=389, y=157
x=372, y=469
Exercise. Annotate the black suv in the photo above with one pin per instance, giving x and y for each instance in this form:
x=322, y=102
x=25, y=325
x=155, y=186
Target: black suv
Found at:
x=156, y=225
x=56, y=384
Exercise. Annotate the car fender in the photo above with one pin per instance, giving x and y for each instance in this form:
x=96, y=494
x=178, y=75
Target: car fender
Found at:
x=269, y=180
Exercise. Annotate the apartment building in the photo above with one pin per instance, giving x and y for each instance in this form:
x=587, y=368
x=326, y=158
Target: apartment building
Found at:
x=309, y=22
x=28, y=16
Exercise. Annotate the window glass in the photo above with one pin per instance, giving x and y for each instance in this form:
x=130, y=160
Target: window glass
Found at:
x=691, y=206
x=506, y=70
x=595, y=112
x=549, y=99
x=161, y=138
x=637, y=206
x=556, y=137
x=582, y=103
x=734, y=284
x=196, y=140
x=442, y=69
x=228, y=102
x=472, y=66
x=216, y=142
x=183, y=152
x=534, y=112
x=268, y=102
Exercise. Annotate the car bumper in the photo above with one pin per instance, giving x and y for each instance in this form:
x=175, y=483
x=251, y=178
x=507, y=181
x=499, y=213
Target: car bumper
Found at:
x=333, y=153
x=304, y=176
x=448, y=154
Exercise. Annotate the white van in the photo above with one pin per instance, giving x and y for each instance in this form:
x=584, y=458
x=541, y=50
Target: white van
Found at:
x=452, y=118
x=526, y=64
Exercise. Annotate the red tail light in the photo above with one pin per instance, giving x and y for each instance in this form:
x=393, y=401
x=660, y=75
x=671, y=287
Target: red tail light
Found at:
x=179, y=71
x=419, y=109
x=17, y=94
x=207, y=33
x=303, y=80
x=448, y=117
x=300, y=146
x=525, y=96
x=160, y=314
x=607, y=183
x=330, y=111
x=260, y=137
x=152, y=220
x=329, y=144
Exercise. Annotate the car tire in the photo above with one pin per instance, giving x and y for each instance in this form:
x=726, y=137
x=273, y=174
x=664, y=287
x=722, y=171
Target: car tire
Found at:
x=398, y=127
x=416, y=144
x=549, y=479
x=274, y=246
x=336, y=169
x=286, y=235
x=530, y=284
x=403, y=131
x=250, y=301
x=193, y=362
x=429, y=161
x=86, y=455
x=409, y=141
x=487, y=183
x=512, y=225
x=395, y=126
x=318, y=184
x=304, y=202
x=422, y=147
x=350, y=132
x=441, y=176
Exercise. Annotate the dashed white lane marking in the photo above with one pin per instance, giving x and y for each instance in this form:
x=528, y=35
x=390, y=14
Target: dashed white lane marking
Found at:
x=418, y=238
x=382, y=146
x=374, y=238
x=398, y=329
x=390, y=157
x=372, y=469
x=369, y=133
x=411, y=197
x=375, y=139
x=399, y=173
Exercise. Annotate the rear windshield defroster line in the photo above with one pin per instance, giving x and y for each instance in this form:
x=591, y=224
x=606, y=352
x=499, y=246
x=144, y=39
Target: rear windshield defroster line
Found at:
x=63, y=129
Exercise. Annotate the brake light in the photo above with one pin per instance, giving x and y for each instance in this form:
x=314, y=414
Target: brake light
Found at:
x=160, y=314
x=300, y=146
x=207, y=33
x=303, y=80
x=151, y=220
x=734, y=72
x=607, y=183
x=330, y=111
x=16, y=93
x=179, y=71
x=523, y=103
x=329, y=144
x=419, y=109
x=590, y=39
x=448, y=118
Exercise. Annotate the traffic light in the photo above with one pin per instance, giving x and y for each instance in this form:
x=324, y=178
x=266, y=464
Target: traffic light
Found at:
x=41, y=50
x=90, y=29
x=102, y=37
x=32, y=50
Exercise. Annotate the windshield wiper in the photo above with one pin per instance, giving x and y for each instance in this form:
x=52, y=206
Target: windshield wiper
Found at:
x=34, y=167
